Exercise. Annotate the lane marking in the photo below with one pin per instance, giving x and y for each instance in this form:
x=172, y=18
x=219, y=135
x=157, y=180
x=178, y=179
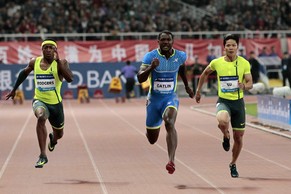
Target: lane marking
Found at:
x=97, y=172
x=163, y=149
x=247, y=123
x=243, y=149
x=14, y=145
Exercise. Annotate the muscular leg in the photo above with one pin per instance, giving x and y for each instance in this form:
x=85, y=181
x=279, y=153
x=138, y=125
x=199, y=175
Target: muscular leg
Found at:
x=153, y=135
x=237, y=146
x=223, y=122
x=41, y=130
x=57, y=134
x=172, y=140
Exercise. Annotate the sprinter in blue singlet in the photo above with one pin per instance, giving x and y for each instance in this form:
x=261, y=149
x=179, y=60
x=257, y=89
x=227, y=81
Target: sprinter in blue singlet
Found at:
x=162, y=66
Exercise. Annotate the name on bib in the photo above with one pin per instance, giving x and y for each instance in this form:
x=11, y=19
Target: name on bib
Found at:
x=45, y=82
x=164, y=84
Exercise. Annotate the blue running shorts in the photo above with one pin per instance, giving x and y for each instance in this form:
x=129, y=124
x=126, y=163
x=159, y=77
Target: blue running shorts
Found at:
x=156, y=107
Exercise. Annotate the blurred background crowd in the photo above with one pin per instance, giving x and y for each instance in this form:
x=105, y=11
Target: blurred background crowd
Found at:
x=111, y=16
x=127, y=16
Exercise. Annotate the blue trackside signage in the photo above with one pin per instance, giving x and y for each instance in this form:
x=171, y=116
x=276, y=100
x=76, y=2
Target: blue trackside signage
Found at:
x=96, y=76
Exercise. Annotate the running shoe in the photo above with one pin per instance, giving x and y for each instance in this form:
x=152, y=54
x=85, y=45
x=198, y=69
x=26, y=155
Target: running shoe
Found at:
x=226, y=144
x=170, y=167
x=233, y=171
x=51, y=145
x=41, y=161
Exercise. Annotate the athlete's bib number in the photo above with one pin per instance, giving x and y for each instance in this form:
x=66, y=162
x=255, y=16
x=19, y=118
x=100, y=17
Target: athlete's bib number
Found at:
x=45, y=82
x=228, y=83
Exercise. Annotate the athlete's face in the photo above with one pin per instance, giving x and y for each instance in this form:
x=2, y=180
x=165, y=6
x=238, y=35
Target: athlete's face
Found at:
x=48, y=51
x=165, y=42
x=230, y=48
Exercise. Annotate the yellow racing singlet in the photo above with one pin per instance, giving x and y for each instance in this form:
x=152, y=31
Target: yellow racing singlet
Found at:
x=47, y=83
x=228, y=76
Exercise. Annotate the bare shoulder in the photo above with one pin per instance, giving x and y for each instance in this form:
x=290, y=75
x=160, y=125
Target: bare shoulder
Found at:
x=64, y=61
x=31, y=62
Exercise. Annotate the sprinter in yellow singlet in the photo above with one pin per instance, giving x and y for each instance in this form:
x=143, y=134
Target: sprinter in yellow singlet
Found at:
x=49, y=72
x=234, y=76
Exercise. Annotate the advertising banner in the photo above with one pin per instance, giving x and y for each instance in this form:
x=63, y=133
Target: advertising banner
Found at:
x=133, y=50
x=274, y=110
x=97, y=77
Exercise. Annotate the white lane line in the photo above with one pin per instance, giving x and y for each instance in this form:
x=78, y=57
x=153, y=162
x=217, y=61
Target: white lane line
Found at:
x=163, y=149
x=250, y=152
x=247, y=123
x=15, y=145
x=97, y=172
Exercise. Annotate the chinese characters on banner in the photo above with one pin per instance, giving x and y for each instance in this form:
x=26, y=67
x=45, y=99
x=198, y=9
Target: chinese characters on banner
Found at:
x=94, y=63
x=117, y=51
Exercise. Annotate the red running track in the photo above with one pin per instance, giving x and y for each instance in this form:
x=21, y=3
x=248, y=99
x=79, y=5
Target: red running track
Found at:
x=105, y=151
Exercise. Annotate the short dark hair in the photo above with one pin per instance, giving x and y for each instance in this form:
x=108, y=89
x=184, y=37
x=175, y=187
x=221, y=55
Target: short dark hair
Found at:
x=231, y=36
x=166, y=32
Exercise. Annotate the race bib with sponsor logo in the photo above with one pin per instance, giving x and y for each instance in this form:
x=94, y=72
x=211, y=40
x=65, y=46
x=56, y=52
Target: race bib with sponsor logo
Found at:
x=45, y=82
x=164, y=85
x=228, y=83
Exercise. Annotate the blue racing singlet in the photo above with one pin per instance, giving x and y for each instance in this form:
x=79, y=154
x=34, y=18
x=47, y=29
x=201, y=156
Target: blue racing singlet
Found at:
x=163, y=79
